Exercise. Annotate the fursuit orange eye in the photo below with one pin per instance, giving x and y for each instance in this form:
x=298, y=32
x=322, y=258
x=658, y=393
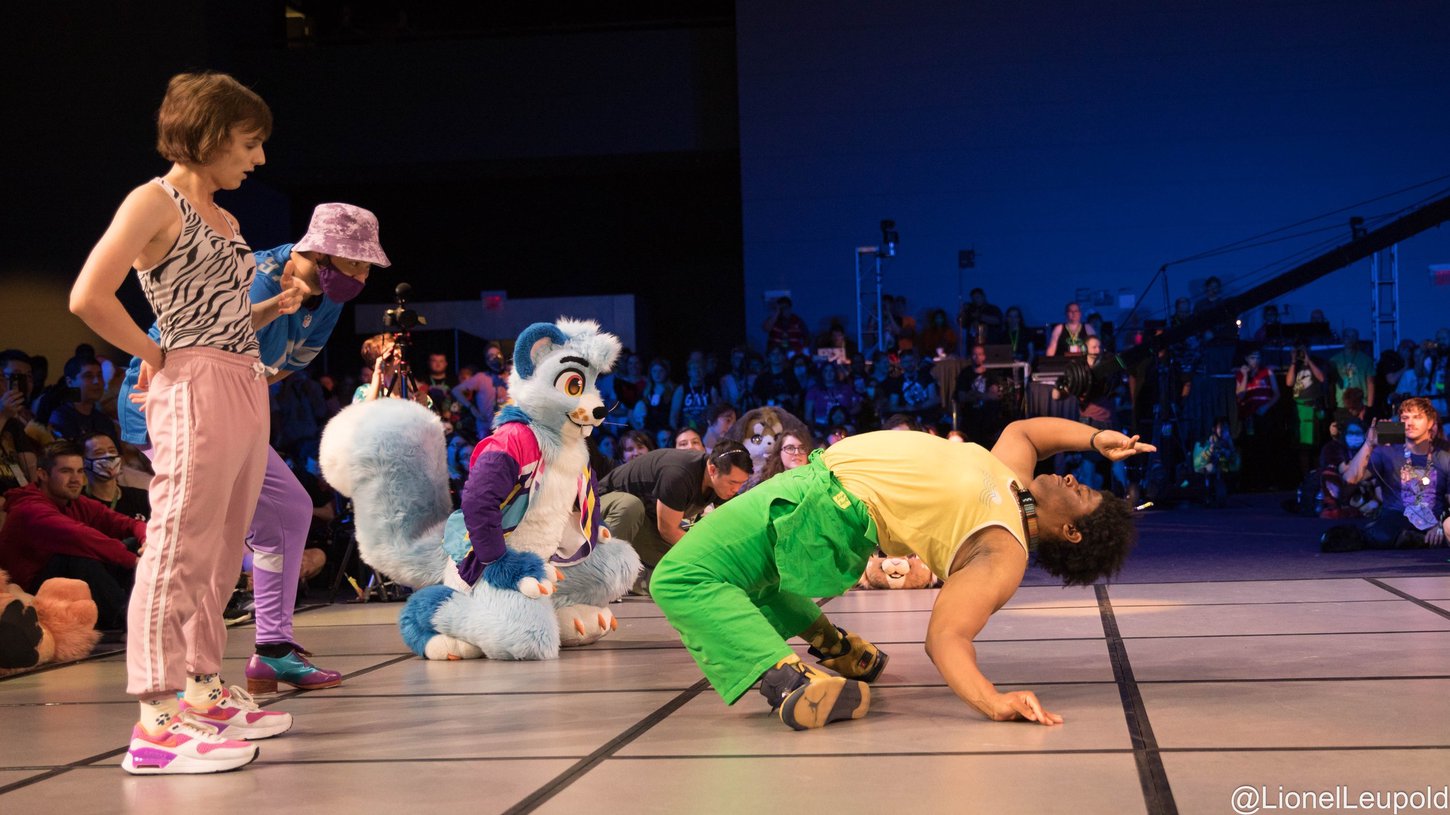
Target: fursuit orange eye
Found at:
x=570, y=383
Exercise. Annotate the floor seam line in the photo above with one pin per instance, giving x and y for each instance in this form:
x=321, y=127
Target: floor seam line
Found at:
x=1152, y=775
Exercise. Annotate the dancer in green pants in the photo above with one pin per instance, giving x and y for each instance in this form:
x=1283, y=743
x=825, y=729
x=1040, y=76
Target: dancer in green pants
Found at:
x=741, y=581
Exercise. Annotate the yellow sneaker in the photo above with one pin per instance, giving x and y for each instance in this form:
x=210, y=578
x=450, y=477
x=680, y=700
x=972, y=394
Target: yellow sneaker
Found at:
x=863, y=661
x=805, y=697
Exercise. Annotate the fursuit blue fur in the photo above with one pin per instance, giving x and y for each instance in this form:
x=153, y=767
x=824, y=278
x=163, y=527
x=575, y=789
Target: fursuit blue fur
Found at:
x=389, y=456
x=416, y=621
x=502, y=622
x=507, y=571
x=601, y=578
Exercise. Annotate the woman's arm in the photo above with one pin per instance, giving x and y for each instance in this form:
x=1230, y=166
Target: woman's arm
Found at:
x=146, y=216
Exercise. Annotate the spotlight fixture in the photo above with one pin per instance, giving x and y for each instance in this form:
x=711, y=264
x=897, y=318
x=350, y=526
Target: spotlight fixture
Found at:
x=889, y=239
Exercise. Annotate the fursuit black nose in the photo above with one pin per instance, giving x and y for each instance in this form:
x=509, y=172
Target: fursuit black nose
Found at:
x=600, y=412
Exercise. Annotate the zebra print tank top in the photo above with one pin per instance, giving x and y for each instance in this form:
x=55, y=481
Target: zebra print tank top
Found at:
x=199, y=290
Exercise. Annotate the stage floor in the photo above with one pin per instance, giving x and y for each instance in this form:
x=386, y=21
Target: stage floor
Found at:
x=1174, y=694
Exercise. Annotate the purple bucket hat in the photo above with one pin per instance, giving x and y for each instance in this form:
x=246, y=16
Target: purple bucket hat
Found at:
x=344, y=231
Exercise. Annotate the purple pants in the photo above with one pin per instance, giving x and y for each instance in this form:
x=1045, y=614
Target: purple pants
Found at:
x=278, y=536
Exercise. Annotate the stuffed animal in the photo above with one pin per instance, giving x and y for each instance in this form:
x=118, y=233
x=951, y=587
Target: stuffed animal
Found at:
x=885, y=572
x=758, y=430
x=490, y=577
x=57, y=624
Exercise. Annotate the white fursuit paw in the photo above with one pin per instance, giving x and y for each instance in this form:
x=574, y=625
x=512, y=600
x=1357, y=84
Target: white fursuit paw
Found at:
x=534, y=589
x=443, y=646
x=582, y=625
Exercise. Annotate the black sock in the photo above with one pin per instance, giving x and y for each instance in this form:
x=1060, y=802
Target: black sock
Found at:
x=274, y=650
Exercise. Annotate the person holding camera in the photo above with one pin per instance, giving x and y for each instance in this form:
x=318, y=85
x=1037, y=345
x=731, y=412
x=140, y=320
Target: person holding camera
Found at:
x=784, y=329
x=1305, y=380
x=18, y=452
x=1413, y=476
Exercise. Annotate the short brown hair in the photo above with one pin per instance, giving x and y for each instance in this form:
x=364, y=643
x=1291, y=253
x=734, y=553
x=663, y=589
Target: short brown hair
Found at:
x=1423, y=405
x=197, y=116
x=373, y=348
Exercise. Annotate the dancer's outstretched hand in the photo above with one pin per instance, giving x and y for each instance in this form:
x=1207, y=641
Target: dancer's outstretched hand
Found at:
x=1117, y=446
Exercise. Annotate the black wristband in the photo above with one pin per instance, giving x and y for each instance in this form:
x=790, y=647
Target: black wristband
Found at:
x=1093, y=443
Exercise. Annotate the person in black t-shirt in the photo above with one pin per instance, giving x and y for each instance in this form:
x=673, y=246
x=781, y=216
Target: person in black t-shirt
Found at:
x=651, y=500
x=103, y=464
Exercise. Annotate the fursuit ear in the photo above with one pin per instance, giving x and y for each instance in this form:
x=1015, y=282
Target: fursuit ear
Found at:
x=533, y=344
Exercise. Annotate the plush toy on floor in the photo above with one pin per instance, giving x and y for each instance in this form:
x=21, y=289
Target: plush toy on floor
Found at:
x=886, y=572
x=491, y=578
x=57, y=624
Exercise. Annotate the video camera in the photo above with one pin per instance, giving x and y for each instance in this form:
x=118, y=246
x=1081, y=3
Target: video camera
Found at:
x=400, y=318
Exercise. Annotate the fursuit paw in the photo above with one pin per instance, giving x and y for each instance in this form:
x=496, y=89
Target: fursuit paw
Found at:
x=442, y=646
x=583, y=624
x=524, y=572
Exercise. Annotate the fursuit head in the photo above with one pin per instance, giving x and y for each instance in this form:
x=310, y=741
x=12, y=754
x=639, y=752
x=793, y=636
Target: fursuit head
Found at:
x=489, y=577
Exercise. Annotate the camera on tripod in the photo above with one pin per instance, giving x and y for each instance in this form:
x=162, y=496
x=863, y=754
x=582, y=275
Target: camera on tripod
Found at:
x=400, y=318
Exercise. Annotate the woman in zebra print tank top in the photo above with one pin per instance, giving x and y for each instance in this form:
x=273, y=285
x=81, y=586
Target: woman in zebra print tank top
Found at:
x=205, y=397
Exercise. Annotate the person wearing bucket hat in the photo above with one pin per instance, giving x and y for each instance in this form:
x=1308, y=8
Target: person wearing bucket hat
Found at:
x=329, y=264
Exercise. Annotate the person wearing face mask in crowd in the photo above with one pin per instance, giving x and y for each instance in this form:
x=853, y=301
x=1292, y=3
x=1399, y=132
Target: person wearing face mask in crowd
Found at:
x=53, y=530
x=331, y=263
x=103, y=465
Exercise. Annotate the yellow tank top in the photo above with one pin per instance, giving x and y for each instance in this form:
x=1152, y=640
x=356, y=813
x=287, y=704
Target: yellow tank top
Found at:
x=927, y=495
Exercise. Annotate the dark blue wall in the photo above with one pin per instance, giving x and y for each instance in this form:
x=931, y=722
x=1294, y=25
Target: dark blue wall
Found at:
x=1083, y=144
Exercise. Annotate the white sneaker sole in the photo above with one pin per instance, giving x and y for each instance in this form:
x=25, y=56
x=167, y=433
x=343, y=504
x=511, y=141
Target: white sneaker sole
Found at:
x=188, y=765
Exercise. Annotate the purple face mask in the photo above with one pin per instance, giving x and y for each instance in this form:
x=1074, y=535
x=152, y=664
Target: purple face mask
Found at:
x=338, y=287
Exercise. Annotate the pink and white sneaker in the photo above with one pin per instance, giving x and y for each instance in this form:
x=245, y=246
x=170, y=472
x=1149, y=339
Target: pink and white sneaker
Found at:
x=184, y=747
x=239, y=717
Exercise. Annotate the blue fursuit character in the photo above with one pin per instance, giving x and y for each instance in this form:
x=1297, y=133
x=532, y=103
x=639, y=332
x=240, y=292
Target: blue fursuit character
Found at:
x=490, y=578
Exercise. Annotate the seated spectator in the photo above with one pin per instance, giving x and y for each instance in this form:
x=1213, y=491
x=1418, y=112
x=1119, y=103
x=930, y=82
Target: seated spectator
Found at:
x=732, y=384
x=1413, y=478
x=81, y=413
x=718, y=419
x=103, y=467
x=608, y=448
x=835, y=434
x=1069, y=337
x=692, y=400
x=1182, y=312
x=828, y=391
x=688, y=438
x=777, y=385
x=632, y=444
x=901, y=421
x=1269, y=324
x=1355, y=369
x=1332, y=497
x=652, y=499
x=52, y=530
x=938, y=339
x=1213, y=459
x=983, y=322
x=652, y=411
x=784, y=329
x=916, y=392
x=478, y=398
x=791, y=451
x=630, y=380
x=1102, y=331
x=900, y=325
x=1015, y=334
x=836, y=339
x=17, y=451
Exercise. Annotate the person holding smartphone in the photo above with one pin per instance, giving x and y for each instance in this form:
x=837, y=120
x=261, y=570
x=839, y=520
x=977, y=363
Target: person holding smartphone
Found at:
x=1413, y=476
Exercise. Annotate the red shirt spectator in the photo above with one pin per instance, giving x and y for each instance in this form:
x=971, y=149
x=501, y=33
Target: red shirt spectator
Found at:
x=39, y=525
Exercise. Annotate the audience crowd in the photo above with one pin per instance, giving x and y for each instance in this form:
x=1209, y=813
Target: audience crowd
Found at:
x=1287, y=407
